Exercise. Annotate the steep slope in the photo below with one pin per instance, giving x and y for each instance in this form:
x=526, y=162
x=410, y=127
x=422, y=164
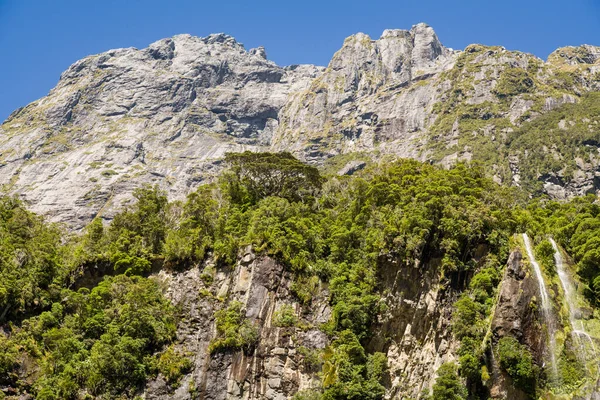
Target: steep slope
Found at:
x=164, y=114
x=374, y=95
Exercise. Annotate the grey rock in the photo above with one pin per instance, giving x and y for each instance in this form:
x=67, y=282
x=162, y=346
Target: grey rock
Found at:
x=352, y=167
x=162, y=115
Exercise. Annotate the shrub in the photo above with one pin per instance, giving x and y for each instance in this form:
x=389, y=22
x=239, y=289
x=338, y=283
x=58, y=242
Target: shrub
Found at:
x=285, y=316
x=308, y=394
x=544, y=253
x=172, y=364
x=311, y=359
x=514, y=81
x=305, y=287
x=465, y=319
x=517, y=361
x=447, y=385
x=234, y=331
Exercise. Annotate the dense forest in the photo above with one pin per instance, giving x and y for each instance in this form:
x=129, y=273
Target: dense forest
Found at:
x=82, y=315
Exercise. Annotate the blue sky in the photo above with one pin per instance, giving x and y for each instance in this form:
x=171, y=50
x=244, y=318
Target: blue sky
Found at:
x=40, y=38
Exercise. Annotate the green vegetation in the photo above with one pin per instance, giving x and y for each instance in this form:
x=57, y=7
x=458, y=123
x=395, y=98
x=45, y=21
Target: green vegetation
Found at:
x=172, y=364
x=100, y=341
x=285, y=316
x=517, y=361
x=32, y=262
x=254, y=176
x=106, y=337
x=234, y=331
x=330, y=233
x=546, y=143
x=576, y=226
x=470, y=322
x=514, y=81
x=349, y=373
x=108, y=173
x=447, y=385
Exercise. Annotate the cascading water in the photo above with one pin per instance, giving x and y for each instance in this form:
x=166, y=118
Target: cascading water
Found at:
x=546, y=305
x=583, y=340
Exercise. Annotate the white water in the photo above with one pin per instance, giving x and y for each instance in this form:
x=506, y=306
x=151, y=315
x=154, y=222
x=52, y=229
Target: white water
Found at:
x=580, y=336
x=546, y=305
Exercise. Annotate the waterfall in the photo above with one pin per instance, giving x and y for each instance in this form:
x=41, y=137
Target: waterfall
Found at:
x=546, y=305
x=579, y=334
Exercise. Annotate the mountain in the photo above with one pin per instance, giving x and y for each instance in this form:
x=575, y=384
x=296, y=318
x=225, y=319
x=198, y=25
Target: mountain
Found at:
x=168, y=113
x=232, y=229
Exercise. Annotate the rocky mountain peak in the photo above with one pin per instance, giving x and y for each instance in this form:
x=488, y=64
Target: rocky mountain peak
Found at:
x=259, y=51
x=166, y=114
x=571, y=55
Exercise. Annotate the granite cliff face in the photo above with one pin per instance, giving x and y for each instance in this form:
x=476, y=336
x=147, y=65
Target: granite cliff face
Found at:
x=277, y=367
x=167, y=114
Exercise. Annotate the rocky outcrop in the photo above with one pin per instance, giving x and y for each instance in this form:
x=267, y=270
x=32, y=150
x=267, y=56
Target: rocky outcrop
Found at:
x=276, y=367
x=415, y=331
x=374, y=94
x=516, y=316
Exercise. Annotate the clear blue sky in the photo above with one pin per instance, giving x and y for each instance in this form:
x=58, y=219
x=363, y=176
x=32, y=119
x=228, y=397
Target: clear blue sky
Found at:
x=40, y=38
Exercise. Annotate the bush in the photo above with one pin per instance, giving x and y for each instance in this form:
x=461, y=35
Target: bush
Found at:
x=517, y=361
x=308, y=394
x=349, y=373
x=514, y=81
x=447, y=385
x=234, y=331
x=466, y=317
x=311, y=359
x=172, y=364
x=544, y=253
x=285, y=316
x=305, y=287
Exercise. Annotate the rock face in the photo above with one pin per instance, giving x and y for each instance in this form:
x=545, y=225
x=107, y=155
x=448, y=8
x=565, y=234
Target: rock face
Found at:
x=167, y=114
x=277, y=367
x=375, y=94
x=414, y=333
x=416, y=326
x=515, y=316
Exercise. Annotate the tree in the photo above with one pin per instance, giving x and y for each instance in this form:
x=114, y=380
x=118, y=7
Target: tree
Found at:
x=254, y=176
x=448, y=385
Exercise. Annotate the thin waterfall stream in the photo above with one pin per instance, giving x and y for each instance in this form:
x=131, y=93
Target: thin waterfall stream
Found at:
x=580, y=335
x=546, y=305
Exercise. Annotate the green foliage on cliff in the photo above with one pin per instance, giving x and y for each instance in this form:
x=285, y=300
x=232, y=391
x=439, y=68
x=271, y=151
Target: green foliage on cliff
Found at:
x=514, y=81
x=552, y=142
x=447, y=385
x=549, y=142
x=285, y=317
x=349, y=373
x=576, y=226
x=173, y=364
x=517, y=361
x=32, y=265
x=99, y=341
x=343, y=234
x=470, y=321
x=234, y=331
